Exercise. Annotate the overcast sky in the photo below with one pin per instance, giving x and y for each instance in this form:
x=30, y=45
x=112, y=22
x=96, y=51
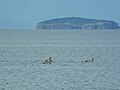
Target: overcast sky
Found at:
x=25, y=14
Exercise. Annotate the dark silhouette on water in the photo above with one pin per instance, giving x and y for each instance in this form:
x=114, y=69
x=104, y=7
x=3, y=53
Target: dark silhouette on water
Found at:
x=90, y=60
x=48, y=61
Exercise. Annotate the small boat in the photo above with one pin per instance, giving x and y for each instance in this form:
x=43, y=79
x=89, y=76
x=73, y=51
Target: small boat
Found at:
x=90, y=60
x=48, y=61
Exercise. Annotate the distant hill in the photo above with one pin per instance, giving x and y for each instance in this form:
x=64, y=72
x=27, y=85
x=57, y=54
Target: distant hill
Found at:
x=76, y=23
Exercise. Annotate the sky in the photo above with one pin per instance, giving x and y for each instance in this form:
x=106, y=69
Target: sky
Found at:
x=25, y=14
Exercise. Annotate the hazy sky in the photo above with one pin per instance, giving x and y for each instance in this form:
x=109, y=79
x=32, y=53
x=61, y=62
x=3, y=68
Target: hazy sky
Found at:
x=20, y=14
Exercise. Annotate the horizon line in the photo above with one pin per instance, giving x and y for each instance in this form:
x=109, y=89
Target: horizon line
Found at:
x=60, y=45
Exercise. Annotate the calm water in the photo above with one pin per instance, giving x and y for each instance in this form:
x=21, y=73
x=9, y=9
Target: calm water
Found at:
x=60, y=37
x=22, y=53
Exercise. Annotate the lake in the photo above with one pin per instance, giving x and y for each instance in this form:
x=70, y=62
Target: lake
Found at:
x=22, y=53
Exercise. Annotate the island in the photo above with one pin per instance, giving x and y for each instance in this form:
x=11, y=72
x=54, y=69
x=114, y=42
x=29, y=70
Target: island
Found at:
x=76, y=23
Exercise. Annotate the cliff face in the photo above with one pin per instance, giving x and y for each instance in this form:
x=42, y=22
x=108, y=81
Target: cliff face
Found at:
x=77, y=23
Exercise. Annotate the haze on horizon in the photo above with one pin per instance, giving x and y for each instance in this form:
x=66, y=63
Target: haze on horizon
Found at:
x=25, y=14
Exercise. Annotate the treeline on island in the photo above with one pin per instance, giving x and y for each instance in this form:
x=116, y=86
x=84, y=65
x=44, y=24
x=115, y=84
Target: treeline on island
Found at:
x=77, y=23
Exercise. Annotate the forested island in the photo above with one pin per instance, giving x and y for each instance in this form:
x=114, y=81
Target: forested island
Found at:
x=77, y=23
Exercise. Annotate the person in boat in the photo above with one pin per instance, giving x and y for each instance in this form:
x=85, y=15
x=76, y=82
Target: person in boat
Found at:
x=48, y=61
